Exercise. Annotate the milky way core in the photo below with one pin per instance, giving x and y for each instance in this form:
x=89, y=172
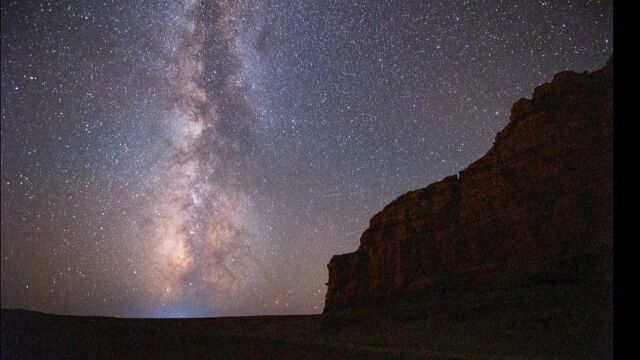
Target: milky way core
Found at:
x=207, y=158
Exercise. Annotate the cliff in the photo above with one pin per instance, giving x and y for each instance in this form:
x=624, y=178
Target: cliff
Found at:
x=532, y=218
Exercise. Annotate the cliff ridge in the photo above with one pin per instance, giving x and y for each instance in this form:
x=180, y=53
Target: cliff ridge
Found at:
x=535, y=212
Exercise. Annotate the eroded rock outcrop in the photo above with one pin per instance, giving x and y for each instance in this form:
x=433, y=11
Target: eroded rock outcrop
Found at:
x=535, y=211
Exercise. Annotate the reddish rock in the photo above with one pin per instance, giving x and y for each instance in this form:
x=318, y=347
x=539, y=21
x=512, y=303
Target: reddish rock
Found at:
x=535, y=209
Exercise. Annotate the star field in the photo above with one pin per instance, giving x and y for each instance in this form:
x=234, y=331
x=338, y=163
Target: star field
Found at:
x=207, y=158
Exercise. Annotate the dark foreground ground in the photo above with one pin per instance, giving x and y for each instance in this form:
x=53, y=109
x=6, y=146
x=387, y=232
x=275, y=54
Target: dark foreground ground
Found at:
x=515, y=331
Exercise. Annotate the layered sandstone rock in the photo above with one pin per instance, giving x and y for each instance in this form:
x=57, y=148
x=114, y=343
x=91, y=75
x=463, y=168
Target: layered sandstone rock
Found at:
x=535, y=211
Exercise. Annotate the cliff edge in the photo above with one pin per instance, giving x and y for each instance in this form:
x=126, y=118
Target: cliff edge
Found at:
x=531, y=219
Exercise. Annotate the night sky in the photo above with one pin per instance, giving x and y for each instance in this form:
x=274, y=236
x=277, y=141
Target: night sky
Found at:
x=208, y=158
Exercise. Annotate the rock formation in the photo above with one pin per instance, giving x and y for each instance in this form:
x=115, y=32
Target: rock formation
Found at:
x=534, y=215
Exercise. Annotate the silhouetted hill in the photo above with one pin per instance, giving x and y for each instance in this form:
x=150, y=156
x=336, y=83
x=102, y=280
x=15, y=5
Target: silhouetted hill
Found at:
x=33, y=335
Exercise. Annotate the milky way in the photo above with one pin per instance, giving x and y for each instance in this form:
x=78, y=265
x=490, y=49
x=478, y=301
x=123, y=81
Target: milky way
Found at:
x=206, y=158
x=196, y=236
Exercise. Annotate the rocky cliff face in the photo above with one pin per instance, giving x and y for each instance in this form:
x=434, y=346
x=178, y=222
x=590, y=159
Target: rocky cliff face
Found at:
x=534, y=212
